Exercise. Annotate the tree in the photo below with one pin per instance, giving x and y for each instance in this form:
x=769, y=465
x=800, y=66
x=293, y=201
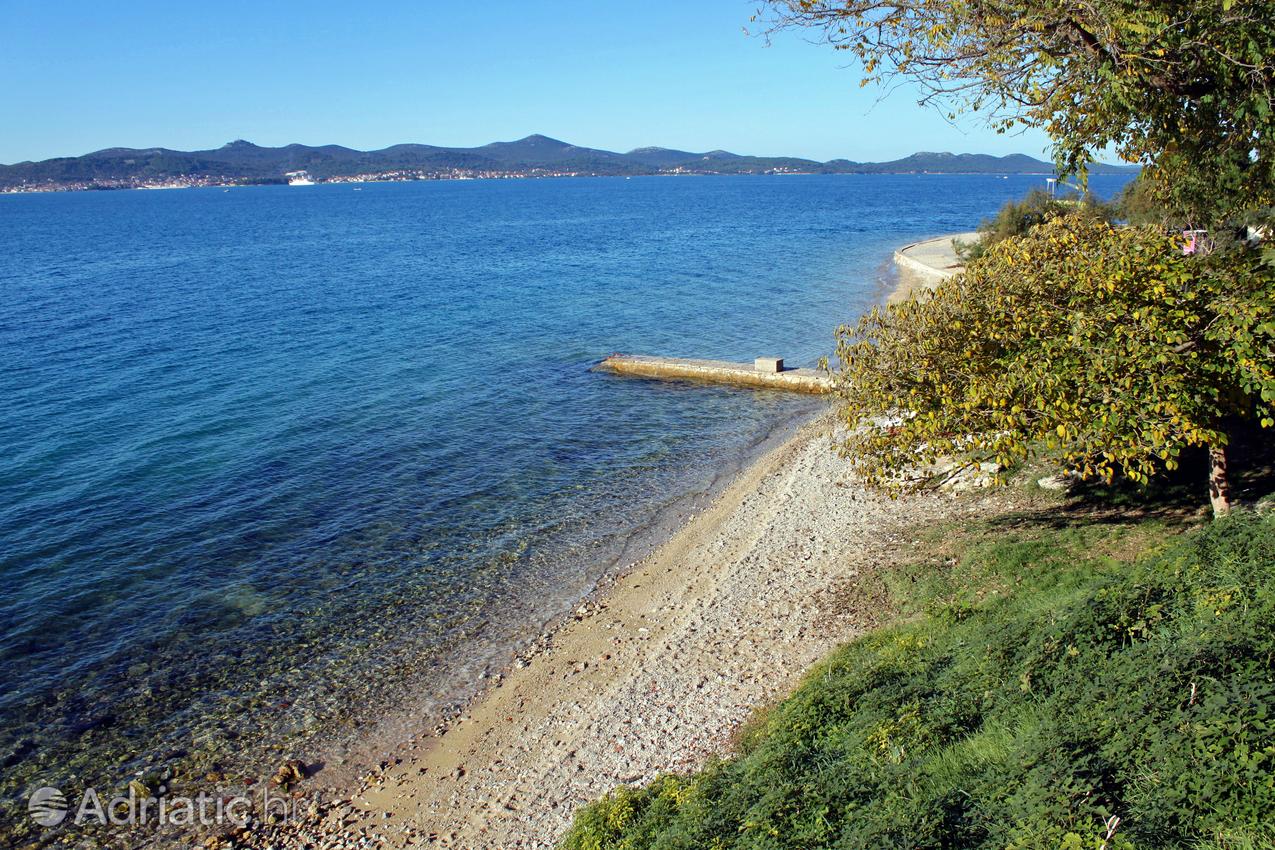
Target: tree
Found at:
x=1105, y=349
x=1184, y=88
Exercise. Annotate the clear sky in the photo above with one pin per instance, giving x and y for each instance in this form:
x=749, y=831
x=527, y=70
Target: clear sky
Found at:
x=617, y=74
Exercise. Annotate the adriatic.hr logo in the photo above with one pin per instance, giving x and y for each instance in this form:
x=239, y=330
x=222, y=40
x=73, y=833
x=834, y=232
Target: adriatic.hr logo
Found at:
x=47, y=806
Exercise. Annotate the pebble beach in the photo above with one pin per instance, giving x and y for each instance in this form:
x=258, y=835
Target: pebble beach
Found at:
x=657, y=672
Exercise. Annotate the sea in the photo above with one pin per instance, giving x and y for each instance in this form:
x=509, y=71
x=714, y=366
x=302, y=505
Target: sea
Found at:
x=287, y=469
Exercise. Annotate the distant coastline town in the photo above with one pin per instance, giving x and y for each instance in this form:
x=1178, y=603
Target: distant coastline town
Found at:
x=242, y=163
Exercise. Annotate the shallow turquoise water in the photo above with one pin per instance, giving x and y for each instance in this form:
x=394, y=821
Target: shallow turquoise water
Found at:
x=278, y=458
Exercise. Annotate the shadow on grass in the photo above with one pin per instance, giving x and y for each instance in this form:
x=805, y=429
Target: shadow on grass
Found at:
x=1178, y=499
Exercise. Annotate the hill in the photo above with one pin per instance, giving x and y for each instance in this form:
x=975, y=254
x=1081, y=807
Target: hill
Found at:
x=969, y=163
x=244, y=162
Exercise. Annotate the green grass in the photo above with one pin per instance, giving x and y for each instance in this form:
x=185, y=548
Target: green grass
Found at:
x=1038, y=682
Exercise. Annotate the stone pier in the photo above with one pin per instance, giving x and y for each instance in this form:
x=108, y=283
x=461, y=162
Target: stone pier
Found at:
x=768, y=372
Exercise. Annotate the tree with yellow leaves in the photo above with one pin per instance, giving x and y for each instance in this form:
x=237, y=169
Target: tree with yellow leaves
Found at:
x=1103, y=348
x=1187, y=89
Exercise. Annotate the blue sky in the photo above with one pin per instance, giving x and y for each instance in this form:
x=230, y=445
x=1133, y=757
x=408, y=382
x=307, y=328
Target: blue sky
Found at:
x=76, y=77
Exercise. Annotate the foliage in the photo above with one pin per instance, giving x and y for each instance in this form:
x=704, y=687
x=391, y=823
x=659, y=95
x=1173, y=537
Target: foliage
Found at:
x=1045, y=688
x=1015, y=218
x=1185, y=88
x=1140, y=203
x=1103, y=349
x=1137, y=205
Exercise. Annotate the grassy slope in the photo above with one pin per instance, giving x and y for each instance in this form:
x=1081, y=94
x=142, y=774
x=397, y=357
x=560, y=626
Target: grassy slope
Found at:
x=1041, y=679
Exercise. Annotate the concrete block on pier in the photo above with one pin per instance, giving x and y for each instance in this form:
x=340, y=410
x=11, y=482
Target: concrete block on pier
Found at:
x=769, y=364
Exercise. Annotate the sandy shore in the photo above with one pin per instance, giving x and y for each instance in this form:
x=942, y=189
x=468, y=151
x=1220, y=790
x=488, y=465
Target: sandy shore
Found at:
x=657, y=672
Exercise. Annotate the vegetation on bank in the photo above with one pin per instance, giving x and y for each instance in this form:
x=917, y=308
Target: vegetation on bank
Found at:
x=1136, y=205
x=1054, y=681
x=1017, y=218
x=1104, y=349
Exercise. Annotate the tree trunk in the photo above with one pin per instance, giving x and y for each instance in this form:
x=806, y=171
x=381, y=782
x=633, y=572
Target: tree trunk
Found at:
x=1219, y=481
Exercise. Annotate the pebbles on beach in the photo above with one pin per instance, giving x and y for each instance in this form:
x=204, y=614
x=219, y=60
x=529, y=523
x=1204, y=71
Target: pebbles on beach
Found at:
x=656, y=675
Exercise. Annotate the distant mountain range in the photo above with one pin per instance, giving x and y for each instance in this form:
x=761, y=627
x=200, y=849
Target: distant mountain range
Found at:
x=244, y=162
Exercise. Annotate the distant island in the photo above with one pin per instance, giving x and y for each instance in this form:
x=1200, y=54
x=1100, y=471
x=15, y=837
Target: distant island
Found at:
x=243, y=163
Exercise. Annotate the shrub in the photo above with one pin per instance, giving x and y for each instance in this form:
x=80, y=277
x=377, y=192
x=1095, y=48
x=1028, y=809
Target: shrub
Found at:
x=1017, y=218
x=1102, y=349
